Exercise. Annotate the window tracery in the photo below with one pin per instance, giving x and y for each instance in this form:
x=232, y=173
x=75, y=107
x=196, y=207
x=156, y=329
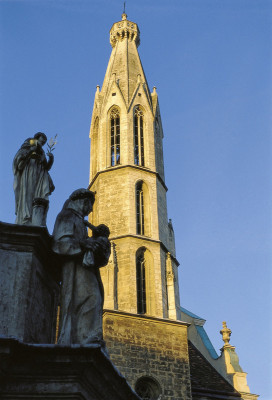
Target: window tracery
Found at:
x=115, y=136
x=140, y=217
x=138, y=136
x=141, y=282
x=148, y=389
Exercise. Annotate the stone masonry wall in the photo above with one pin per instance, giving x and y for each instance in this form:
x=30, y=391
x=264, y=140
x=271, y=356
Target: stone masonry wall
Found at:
x=149, y=347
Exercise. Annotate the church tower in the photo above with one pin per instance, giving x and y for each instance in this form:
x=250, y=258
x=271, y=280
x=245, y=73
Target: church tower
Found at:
x=127, y=172
x=141, y=307
x=160, y=348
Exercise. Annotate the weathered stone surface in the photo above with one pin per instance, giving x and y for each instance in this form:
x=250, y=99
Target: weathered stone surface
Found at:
x=29, y=284
x=143, y=346
x=31, y=177
x=39, y=212
x=81, y=289
x=58, y=372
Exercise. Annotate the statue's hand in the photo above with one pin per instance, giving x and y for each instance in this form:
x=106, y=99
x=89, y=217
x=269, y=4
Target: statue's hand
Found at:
x=88, y=244
x=85, y=244
x=82, y=244
x=50, y=161
x=88, y=224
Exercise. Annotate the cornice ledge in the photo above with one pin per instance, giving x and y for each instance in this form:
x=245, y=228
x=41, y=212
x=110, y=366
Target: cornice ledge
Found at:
x=145, y=316
x=149, y=240
x=108, y=169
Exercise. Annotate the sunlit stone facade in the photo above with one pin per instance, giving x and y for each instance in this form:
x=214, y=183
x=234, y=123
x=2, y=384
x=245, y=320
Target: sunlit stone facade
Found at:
x=161, y=348
x=126, y=149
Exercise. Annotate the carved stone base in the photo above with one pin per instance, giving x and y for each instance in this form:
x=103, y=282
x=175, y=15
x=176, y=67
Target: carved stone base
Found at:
x=56, y=372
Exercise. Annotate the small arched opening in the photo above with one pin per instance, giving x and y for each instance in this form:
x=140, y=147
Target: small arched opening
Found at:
x=148, y=388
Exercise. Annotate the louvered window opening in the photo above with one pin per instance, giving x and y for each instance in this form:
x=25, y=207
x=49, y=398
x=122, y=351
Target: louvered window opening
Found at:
x=141, y=284
x=140, y=210
x=138, y=137
x=115, y=137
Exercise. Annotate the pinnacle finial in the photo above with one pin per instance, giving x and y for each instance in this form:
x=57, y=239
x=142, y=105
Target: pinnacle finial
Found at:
x=124, y=30
x=225, y=332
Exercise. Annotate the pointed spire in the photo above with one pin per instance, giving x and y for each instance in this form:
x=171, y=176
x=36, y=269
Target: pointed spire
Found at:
x=125, y=69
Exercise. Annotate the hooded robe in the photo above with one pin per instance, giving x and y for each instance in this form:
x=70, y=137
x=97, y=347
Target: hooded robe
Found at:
x=82, y=294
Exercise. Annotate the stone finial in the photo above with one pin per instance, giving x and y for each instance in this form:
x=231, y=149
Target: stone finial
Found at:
x=124, y=30
x=225, y=332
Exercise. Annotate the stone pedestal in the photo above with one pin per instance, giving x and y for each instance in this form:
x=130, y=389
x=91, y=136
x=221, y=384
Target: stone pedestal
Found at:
x=29, y=287
x=31, y=366
x=57, y=372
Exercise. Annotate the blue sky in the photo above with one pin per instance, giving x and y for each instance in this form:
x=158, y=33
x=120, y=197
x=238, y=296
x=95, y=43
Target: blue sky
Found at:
x=211, y=63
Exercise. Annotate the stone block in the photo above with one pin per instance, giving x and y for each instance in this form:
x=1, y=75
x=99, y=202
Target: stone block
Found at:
x=29, y=287
x=57, y=372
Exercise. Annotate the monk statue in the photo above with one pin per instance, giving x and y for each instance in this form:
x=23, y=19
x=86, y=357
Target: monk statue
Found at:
x=32, y=181
x=80, y=257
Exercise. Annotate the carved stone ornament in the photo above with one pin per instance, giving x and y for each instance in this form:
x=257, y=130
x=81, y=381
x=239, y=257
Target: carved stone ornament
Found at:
x=226, y=333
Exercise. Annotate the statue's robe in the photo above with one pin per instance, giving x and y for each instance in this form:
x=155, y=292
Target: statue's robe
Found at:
x=31, y=180
x=81, y=288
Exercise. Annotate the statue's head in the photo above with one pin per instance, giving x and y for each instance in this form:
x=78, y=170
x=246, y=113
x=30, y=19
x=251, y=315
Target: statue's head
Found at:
x=101, y=230
x=82, y=201
x=41, y=137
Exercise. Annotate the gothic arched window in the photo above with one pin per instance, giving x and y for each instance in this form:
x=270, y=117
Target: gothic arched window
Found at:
x=115, y=136
x=141, y=282
x=140, y=217
x=138, y=136
x=94, y=147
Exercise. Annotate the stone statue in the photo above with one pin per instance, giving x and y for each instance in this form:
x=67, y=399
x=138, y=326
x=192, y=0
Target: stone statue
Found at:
x=81, y=257
x=31, y=178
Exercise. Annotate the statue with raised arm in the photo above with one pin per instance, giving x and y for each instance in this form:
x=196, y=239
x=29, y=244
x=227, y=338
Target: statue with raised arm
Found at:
x=80, y=257
x=32, y=181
